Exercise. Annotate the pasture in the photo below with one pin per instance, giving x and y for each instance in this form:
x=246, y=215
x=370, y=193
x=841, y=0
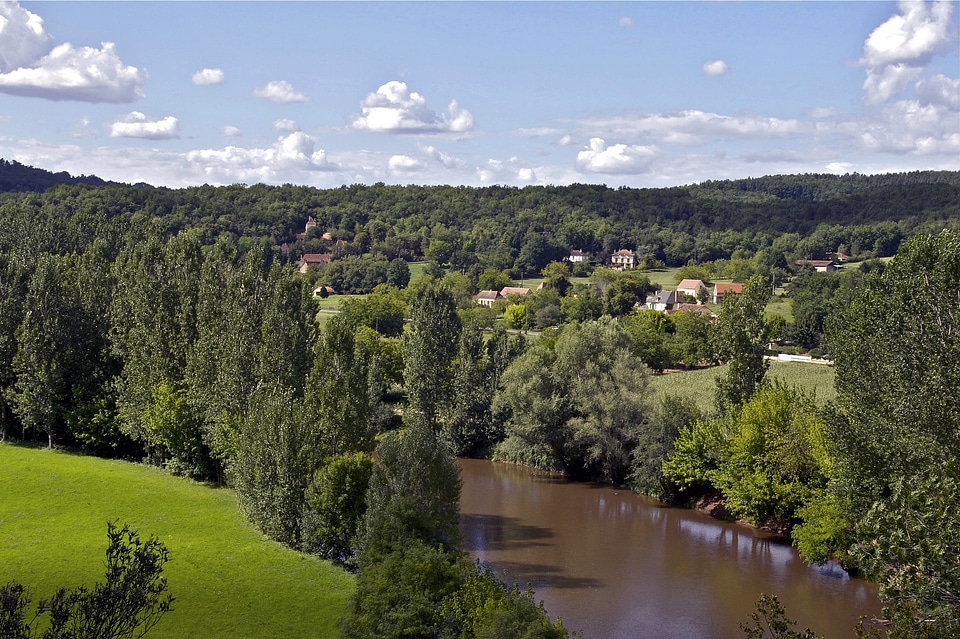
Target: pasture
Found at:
x=227, y=579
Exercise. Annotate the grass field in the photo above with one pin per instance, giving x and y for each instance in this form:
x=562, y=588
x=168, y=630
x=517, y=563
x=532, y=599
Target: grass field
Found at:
x=228, y=580
x=700, y=384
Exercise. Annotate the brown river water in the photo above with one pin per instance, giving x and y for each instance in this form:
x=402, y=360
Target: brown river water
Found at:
x=615, y=565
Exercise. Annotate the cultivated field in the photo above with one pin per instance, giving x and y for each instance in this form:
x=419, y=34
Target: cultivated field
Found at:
x=700, y=384
x=228, y=580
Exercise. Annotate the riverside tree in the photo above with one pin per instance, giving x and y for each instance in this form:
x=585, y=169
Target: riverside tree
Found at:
x=896, y=343
x=739, y=338
x=430, y=346
x=577, y=404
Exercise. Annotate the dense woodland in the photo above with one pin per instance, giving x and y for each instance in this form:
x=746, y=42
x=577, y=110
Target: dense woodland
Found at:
x=172, y=326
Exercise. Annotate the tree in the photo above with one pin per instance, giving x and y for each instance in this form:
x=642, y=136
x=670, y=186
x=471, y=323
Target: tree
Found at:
x=336, y=505
x=579, y=406
x=414, y=494
x=126, y=605
x=275, y=456
x=910, y=544
x=430, y=346
x=896, y=343
x=338, y=391
x=770, y=622
x=42, y=361
x=470, y=429
x=739, y=338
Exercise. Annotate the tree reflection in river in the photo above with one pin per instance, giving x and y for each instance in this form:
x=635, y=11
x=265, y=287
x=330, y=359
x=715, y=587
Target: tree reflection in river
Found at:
x=616, y=565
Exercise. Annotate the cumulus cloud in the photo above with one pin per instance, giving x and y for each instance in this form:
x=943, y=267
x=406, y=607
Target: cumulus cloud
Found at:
x=205, y=77
x=692, y=127
x=30, y=67
x=286, y=125
x=137, y=125
x=526, y=175
x=231, y=131
x=616, y=158
x=717, y=67
x=404, y=164
x=23, y=39
x=393, y=108
x=895, y=53
x=626, y=22
x=281, y=92
x=294, y=152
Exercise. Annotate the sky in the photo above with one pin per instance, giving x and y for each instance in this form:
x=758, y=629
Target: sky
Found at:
x=637, y=94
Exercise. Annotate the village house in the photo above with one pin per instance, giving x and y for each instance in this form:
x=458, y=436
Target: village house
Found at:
x=820, y=266
x=514, y=290
x=487, y=298
x=578, y=257
x=623, y=259
x=661, y=300
x=724, y=288
x=691, y=288
x=690, y=308
x=313, y=260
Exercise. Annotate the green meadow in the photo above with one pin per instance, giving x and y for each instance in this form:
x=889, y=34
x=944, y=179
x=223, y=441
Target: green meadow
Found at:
x=227, y=579
x=700, y=384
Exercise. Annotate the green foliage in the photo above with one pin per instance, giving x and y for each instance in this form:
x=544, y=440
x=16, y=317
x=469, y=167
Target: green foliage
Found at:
x=769, y=467
x=430, y=345
x=739, y=337
x=515, y=316
x=414, y=494
x=336, y=505
x=655, y=444
x=383, y=310
x=910, y=544
x=824, y=530
x=126, y=605
x=770, y=622
x=338, y=390
x=170, y=423
x=277, y=453
x=484, y=608
x=576, y=407
x=398, y=596
x=697, y=453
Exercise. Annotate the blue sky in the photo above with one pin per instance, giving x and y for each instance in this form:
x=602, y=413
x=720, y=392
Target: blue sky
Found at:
x=622, y=93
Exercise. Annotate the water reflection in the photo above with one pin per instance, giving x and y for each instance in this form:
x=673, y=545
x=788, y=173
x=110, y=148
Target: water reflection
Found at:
x=614, y=564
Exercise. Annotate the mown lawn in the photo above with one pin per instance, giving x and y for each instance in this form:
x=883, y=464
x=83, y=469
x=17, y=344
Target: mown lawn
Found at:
x=700, y=384
x=228, y=580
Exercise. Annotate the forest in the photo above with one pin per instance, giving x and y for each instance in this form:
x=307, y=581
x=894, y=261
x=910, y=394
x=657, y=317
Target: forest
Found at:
x=175, y=327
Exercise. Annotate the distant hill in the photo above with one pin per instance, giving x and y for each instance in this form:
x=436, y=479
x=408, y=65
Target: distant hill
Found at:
x=16, y=177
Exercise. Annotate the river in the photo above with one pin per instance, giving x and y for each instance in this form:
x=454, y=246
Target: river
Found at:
x=616, y=565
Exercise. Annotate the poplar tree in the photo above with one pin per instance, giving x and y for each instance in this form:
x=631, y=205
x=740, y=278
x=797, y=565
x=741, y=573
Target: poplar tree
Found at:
x=430, y=346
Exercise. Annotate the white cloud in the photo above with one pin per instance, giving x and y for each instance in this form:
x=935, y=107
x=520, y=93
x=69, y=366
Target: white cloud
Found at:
x=839, y=167
x=231, y=131
x=625, y=22
x=393, y=108
x=404, y=164
x=205, y=77
x=281, y=92
x=286, y=125
x=137, y=125
x=939, y=91
x=895, y=53
x=526, y=175
x=294, y=152
x=717, y=67
x=23, y=40
x=566, y=140
x=616, y=158
x=29, y=67
x=692, y=127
